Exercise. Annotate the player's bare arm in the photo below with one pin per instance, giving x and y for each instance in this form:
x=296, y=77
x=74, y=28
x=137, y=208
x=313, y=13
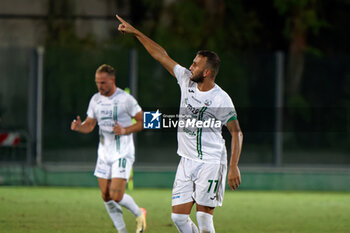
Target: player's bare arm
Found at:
x=83, y=127
x=119, y=130
x=234, y=175
x=154, y=49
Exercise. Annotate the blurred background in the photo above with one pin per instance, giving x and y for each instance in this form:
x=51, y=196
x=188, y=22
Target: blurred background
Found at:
x=285, y=64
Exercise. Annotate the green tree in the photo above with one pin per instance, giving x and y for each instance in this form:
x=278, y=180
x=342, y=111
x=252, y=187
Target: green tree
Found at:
x=61, y=29
x=301, y=17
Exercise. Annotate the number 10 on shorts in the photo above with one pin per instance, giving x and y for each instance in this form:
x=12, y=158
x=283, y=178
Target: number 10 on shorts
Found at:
x=211, y=184
x=122, y=162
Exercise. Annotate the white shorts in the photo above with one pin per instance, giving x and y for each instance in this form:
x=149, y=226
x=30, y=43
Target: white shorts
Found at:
x=201, y=182
x=119, y=168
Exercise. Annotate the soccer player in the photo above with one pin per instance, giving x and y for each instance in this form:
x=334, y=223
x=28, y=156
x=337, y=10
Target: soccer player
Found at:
x=113, y=110
x=201, y=173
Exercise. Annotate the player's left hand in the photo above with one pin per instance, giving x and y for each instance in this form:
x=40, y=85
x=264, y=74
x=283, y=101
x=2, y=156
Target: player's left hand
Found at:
x=234, y=178
x=118, y=129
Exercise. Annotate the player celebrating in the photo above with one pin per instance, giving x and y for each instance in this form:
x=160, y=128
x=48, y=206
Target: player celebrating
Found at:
x=201, y=173
x=113, y=110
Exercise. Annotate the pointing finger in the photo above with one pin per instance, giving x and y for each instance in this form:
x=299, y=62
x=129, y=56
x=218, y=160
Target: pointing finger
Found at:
x=120, y=19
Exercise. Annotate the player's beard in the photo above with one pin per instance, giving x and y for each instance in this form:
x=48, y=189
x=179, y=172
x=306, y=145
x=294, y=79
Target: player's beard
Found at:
x=199, y=78
x=105, y=92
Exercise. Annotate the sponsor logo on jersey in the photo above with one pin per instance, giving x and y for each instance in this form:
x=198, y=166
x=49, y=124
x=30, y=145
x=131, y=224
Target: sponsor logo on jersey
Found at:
x=190, y=90
x=192, y=109
x=151, y=120
x=197, y=100
x=102, y=171
x=106, y=113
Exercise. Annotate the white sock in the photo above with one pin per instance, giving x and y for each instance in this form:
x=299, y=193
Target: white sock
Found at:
x=116, y=214
x=205, y=222
x=184, y=223
x=129, y=203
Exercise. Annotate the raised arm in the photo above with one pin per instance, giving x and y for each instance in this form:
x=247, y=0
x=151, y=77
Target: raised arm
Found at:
x=154, y=49
x=234, y=175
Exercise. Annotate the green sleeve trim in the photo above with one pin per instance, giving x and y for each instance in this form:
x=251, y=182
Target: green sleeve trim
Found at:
x=231, y=119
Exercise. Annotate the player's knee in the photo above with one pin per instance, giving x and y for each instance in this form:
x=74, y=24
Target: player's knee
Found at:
x=116, y=195
x=105, y=196
x=205, y=222
x=179, y=219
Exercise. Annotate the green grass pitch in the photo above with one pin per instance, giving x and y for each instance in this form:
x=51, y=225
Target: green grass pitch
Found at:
x=81, y=210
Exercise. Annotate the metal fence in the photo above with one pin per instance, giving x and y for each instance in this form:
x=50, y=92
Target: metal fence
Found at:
x=304, y=137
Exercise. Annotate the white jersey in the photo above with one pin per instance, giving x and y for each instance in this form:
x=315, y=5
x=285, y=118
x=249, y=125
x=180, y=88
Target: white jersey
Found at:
x=120, y=107
x=211, y=110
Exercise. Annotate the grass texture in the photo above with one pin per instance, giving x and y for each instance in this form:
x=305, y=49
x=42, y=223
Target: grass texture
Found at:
x=81, y=210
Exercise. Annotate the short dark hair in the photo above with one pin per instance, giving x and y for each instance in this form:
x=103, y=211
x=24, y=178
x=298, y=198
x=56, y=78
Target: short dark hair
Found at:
x=213, y=60
x=106, y=68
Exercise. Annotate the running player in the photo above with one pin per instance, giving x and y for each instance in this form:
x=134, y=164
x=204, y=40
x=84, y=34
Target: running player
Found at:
x=113, y=110
x=201, y=173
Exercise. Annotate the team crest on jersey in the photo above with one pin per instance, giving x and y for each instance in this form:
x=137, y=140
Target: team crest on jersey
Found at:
x=207, y=102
